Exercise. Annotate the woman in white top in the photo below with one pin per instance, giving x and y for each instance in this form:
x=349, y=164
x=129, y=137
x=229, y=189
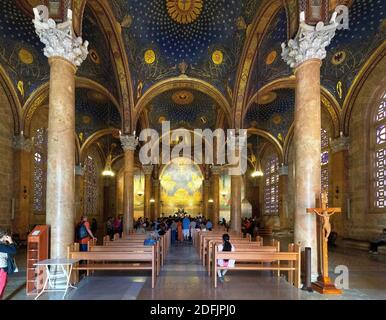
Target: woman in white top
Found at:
x=226, y=246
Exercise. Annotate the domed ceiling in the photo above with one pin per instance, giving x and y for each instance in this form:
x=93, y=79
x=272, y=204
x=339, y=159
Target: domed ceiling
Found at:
x=201, y=38
x=183, y=108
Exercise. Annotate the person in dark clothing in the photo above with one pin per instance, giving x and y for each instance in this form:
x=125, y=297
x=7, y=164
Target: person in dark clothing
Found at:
x=7, y=248
x=94, y=226
x=380, y=241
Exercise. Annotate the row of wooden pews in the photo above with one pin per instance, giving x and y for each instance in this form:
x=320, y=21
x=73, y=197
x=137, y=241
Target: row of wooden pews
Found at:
x=249, y=255
x=126, y=253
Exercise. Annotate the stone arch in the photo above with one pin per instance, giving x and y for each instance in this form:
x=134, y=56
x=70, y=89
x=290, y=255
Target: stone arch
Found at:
x=271, y=139
x=182, y=82
x=256, y=34
x=109, y=25
x=358, y=84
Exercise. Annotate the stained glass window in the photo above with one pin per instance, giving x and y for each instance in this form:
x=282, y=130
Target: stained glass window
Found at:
x=324, y=158
x=271, y=186
x=90, y=187
x=379, y=177
x=39, y=171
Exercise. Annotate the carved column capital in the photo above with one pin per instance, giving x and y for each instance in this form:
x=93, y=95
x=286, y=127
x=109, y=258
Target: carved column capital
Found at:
x=21, y=143
x=59, y=39
x=216, y=170
x=339, y=144
x=206, y=183
x=283, y=170
x=147, y=169
x=129, y=142
x=79, y=170
x=310, y=42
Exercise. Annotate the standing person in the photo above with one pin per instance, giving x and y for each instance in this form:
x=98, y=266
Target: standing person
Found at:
x=185, y=227
x=380, y=241
x=120, y=226
x=94, y=226
x=180, y=236
x=116, y=225
x=225, y=246
x=84, y=234
x=173, y=227
x=110, y=228
x=209, y=225
x=7, y=251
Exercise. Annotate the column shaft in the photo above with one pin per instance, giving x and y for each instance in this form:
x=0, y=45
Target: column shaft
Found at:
x=236, y=182
x=147, y=204
x=61, y=156
x=307, y=147
x=283, y=204
x=216, y=198
x=128, y=192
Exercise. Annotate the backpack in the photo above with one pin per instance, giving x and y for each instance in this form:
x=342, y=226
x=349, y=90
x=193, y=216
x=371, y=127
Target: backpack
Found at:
x=149, y=242
x=82, y=232
x=11, y=264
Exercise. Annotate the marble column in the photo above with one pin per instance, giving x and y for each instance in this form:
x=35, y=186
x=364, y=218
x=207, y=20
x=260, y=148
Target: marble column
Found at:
x=65, y=53
x=79, y=194
x=283, y=197
x=215, y=214
x=157, y=199
x=148, y=170
x=129, y=144
x=22, y=186
x=236, y=183
x=338, y=171
x=205, y=200
x=304, y=54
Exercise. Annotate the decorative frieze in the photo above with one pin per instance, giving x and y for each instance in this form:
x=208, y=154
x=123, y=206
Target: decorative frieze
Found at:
x=340, y=144
x=21, y=143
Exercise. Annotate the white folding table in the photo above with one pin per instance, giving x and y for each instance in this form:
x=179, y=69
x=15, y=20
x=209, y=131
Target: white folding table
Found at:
x=58, y=273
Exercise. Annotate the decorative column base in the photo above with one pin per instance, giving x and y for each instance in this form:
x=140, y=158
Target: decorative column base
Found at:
x=325, y=286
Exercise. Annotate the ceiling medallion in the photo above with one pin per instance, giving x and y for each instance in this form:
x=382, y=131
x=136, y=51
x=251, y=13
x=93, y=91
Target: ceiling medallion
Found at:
x=217, y=57
x=161, y=119
x=94, y=56
x=25, y=56
x=149, y=56
x=338, y=58
x=183, y=97
x=184, y=11
x=267, y=98
x=271, y=57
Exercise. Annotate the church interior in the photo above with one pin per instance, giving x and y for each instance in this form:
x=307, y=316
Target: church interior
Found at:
x=77, y=90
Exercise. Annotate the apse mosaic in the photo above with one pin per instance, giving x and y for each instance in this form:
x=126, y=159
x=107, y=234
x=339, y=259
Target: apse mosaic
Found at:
x=94, y=112
x=273, y=113
x=183, y=108
x=268, y=64
x=21, y=52
x=181, y=186
x=350, y=49
x=206, y=35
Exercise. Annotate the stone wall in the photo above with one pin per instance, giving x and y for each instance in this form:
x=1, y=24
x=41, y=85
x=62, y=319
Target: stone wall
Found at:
x=6, y=161
x=362, y=221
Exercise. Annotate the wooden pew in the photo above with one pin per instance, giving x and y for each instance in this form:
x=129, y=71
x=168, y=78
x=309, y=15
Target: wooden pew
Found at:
x=205, y=238
x=240, y=245
x=127, y=261
x=129, y=247
x=245, y=261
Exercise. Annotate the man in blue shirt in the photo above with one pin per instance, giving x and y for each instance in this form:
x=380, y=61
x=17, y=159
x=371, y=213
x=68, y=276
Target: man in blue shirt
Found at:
x=185, y=227
x=209, y=225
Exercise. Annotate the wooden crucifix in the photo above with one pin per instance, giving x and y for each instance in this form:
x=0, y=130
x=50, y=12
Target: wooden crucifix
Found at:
x=324, y=284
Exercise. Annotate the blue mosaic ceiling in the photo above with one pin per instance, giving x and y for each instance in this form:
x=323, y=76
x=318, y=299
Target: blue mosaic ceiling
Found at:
x=219, y=26
x=198, y=111
x=93, y=113
x=276, y=116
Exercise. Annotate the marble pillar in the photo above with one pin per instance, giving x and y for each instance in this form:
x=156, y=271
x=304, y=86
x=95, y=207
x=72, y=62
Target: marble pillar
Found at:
x=215, y=214
x=129, y=144
x=157, y=199
x=79, y=194
x=283, y=197
x=65, y=53
x=338, y=170
x=305, y=54
x=236, y=183
x=148, y=170
x=23, y=191
x=205, y=200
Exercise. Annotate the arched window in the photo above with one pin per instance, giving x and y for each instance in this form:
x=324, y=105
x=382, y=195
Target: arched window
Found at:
x=379, y=156
x=271, y=185
x=90, y=187
x=324, y=160
x=39, y=171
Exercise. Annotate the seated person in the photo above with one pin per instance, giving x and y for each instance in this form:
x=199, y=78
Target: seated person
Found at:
x=225, y=246
x=380, y=241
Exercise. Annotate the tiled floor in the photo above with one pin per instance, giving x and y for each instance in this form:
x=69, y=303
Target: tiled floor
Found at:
x=184, y=278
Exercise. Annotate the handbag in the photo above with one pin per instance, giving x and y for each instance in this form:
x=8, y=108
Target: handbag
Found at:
x=11, y=265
